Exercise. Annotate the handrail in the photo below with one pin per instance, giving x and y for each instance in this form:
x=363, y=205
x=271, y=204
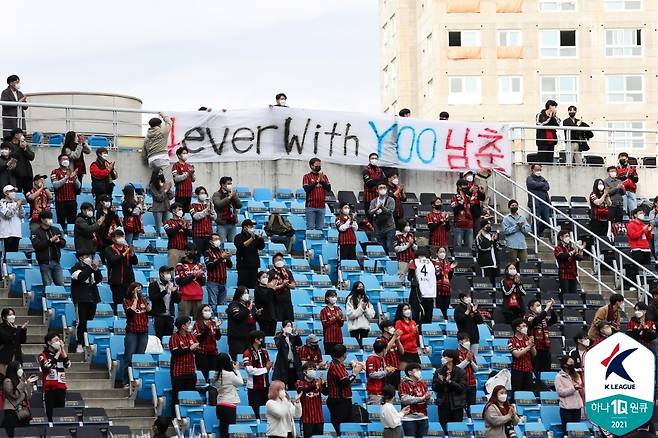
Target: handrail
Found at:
x=78, y=107
x=578, y=128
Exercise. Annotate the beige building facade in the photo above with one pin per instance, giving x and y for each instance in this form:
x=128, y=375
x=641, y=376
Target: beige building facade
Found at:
x=502, y=59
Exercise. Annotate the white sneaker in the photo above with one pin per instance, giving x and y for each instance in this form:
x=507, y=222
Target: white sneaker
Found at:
x=632, y=289
x=79, y=349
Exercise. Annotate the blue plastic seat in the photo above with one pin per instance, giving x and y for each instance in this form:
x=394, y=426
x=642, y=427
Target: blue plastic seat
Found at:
x=98, y=335
x=262, y=194
x=143, y=369
x=98, y=141
x=162, y=389
x=458, y=430
x=190, y=405
x=56, y=139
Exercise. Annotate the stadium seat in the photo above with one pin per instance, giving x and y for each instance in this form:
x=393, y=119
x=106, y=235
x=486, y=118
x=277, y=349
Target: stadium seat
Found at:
x=142, y=371
x=190, y=405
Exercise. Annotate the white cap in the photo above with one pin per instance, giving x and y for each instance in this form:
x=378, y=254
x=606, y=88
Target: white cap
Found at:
x=8, y=188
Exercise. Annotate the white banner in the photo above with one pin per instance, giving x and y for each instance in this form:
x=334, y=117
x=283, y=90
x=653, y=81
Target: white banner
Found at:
x=340, y=137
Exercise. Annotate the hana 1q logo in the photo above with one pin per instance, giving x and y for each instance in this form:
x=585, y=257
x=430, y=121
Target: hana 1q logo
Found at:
x=619, y=384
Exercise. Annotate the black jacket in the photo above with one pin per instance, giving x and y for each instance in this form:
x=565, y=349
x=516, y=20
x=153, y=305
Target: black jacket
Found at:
x=238, y=328
x=84, y=234
x=157, y=292
x=247, y=256
x=281, y=364
x=108, y=225
x=84, y=283
x=11, y=339
x=468, y=323
x=580, y=137
x=454, y=391
x=23, y=160
x=6, y=175
x=264, y=299
x=12, y=116
x=45, y=250
x=119, y=267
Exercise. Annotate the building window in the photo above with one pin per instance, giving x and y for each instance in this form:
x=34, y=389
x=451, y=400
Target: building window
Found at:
x=510, y=38
x=464, y=38
x=557, y=43
x=464, y=90
x=623, y=5
x=625, y=88
x=386, y=35
x=619, y=141
x=623, y=42
x=562, y=89
x=557, y=5
x=510, y=90
x=429, y=89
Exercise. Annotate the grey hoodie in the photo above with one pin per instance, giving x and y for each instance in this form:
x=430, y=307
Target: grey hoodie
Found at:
x=616, y=194
x=155, y=142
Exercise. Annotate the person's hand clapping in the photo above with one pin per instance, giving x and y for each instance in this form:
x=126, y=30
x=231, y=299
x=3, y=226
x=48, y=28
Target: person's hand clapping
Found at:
x=194, y=346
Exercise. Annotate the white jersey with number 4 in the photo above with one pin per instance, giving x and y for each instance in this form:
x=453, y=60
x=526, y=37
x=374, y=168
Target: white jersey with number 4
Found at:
x=426, y=277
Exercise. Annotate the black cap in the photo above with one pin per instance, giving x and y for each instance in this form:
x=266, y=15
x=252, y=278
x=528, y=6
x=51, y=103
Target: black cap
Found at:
x=37, y=177
x=247, y=222
x=165, y=268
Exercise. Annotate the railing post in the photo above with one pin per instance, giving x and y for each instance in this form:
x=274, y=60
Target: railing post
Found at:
x=495, y=205
x=622, y=275
x=115, y=129
x=534, y=223
x=67, y=119
x=598, y=263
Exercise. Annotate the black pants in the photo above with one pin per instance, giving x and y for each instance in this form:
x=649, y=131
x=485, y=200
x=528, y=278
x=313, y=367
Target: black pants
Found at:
x=541, y=362
x=54, y=398
x=521, y=380
x=164, y=326
x=359, y=334
x=447, y=415
x=185, y=202
x=347, y=252
x=66, y=213
x=10, y=422
x=226, y=415
x=118, y=294
x=312, y=429
x=11, y=245
x=184, y=383
x=329, y=347
x=257, y=398
x=340, y=410
x=267, y=327
x=291, y=378
x=641, y=257
x=247, y=277
x=490, y=273
x=443, y=303
x=202, y=244
x=569, y=416
x=86, y=312
x=616, y=213
x=24, y=183
x=393, y=379
x=471, y=394
x=428, y=309
x=568, y=286
x=205, y=363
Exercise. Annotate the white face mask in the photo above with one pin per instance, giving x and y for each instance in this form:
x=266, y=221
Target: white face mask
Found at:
x=613, y=174
x=287, y=329
x=469, y=178
x=523, y=331
x=263, y=280
x=407, y=229
x=466, y=345
x=640, y=216
x=20, y=372
x=444, y=360
x=245, y=297
x=536, y=309
x=229, y=187
x=11, y=195
x=512, y=272
x=374, y=161
x=4, y=152
x=121, y=241
x=107, y=204
x=346, y=211
x=17, y=86
x=166, y=277
x=183, y=157
x=395, y=181
x=537, y=172
x=279, y=264
x=332, y=300
x=56, y=345
x=105, y=156
x=207, y=314
x=11, y=319
x=89, y=213
x=383, y=192
x=417, y=374
x=312, y=374
x=282, y=102
x=502, y=398
x=179, y=213
x=189, y=327
x=567, y=240
x=639, y=314
x=217, y=243
x=441, y=255
x=601, y=187
x=391, y=330
x=407, y=313
x=585, y=342
x=202, y=197
x=282, y=394
x=87, y=261
x=467, y=300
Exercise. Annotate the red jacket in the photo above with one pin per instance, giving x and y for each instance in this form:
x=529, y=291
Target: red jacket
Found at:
x=409, y=338
x=638, y=237
x=628, y=175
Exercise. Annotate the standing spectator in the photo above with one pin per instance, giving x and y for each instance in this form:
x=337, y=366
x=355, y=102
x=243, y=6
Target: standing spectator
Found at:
x=569, y=385
x=65, y=184
x=241, y=315
x=359, y=312
x=154, y=150
x=7, y=166
x=281, y=411
x=347, y=226
x=75, y=147
x=439, y=226
x=582, y=343
x=467, y=317
x=39, y=199
x=279, y=230
x=391, y=419
x=281, y=282
x=423, y=273
x=23, y=154
x=628, y=176
x=163, y=294
x=538, y=322
x=288, y=366
x=476, y=192
x=449, y=383
x=265, y=304
x=53, y=363
x=227, y=205
x=227, y=380
x=381, y=211
x=11, y=214
x=281, y=100
x=161, y=194
x=409, y=335
x=445, y=270
x=405, y=247
x=47, y=241
x=110, y=222
x=499, y=415
x=599, y=202
x=132, y=209
x=539, y=187
x=86, y=229
x=523, y=350
x=178, y=230
x=547, y=138
x=247, y=245
x=515, y=228
x=183, y=175
x=17, y=390
x=332, y=322
x=85, y=278
x=339, y=383
x=513, y=294
x=103, y=173
x=12, y=116
x=640, y=328
x=137, y=326
x=377, y=371
x=576, y=140
x=316, y=185
x=653, y=220
x=396, y=191
x=217, y=261
x=567, y=254
x=257, y=364
x=391, y=338
x=190, y=278
x=311, y=352
x=463, y=203
x=12, y=337
x=467, y=361
x=373, y=177
x=610, y=313
x=639, y=235
x=182, y=345
x=486, y=244
x=414, y=394
x=207, y=331
x=616, y=192
x=481, y=180
x=120, y=259
x=311, y=387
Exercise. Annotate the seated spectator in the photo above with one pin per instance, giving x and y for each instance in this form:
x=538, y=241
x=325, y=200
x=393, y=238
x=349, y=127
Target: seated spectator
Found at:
x=154, y=150
x=265, y=304
x=569, y=387
x=161, y=194
x=359, y=312
x=75, y=148
x=287, y=366
x=409, y=335
x=396, y=191
x=602, y=330
x=339, y=383
x=281, y=410
x=47, y=241
x=279, y=230
x=538, y=322
x=86, y=230
x=377, y=371
x=207, y=331
x=373, y=177
x=39, y=199
x=599, y=201
x=190, y=278
x=405, y=247
x=391, y=338
x=311, y=352
x=523, y=350
x=120, y=259
x=132, y=208
x=567, y=254
x=515, y=228
x=499, y=414
x=609, y=313
x=203, y=216
x=513, y=294
x=183, y=175
x=23, y=156
x=449, y=383
x=332, y=322
x=182, y=345
x=311, y=387
x=247, y=245
x=110, y=222
x=163, y=294
x=316, y=185
x=347, y=226
x=281, y=281
x=547, y=138
x=178, y=230
x=381, y=212
x=467, y=318
x=464, y=203
x=390, y=417
x=640, y=328
x=639, y=235
x=468, y=362
x=7, y=166
x=12, y=338
x=103, y=173
x=241, y=318
x=439, y=226
x=414, y=394
x=227, y=205
x=539, y=187
x=217, y=261
x=257, y=364
x=11, y=215
x=486, y=243
x=628, y=176
x=85, y=278
x=616, y=191
x=66, y=185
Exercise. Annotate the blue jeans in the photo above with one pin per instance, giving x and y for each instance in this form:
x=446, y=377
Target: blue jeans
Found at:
x=544, y=213
x=630, y=203
x=387, y=240
x=133, y=343
x=314, y=218
x=130, y=237
x=52, y=273
x=226, y=232
x=416, y=428
x=463, y=237
x=216, y=294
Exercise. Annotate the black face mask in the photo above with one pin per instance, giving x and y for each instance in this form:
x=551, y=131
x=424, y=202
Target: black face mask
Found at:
x=623, y=161
x=437, y=207
x=317, y=168
x=572, y=115
x=514, y=209
x=487, y=228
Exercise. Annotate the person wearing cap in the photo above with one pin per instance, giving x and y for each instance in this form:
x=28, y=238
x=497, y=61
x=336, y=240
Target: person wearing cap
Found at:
x=247, y=245
x=178, y=230
x=86, y=229
x=183, y=174
x=23, y=154
x=449, y=383
x=85, y=277
x=154, y=149
x=163, y=294
x=103, y=173
x=311, y=352
x=65, y=184
x=281, y=282
x=39, y=199
x=47, y=241
x=120, y=259
x=486, y=243
x=11, y=214
x=12, y=116
x=227, y=205
x=110, y=223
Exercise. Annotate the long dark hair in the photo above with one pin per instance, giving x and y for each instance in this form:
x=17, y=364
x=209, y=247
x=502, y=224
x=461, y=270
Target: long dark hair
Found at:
x=131, y=289
x=493, y=400
x=239, y=291
x=398, y=311
x=69, y=142
x=355, y=295
x=223, y=363
x=12, y=373
x=595, y=187
x=155, y=180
